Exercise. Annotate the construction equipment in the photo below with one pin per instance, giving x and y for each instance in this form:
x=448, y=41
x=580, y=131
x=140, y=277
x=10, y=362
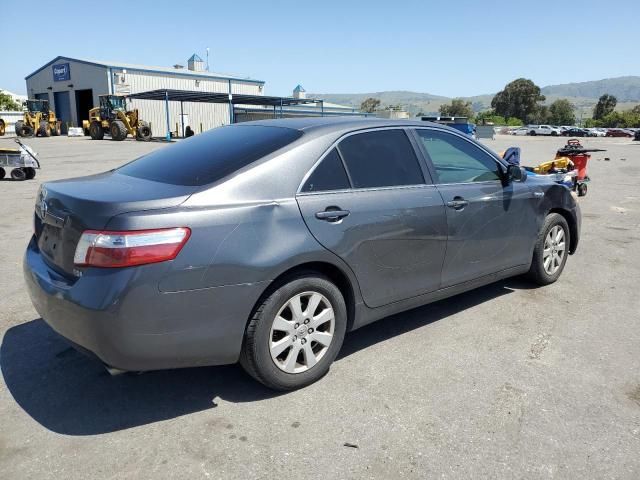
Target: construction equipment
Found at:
x=38, y=119
x=113, y=117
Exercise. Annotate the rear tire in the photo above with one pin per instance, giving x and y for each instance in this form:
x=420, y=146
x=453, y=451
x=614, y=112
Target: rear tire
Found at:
x=95, y=131
x=306, y=357
x=532, y=133
x=143, y=132
x=2, y=173
x=30, y=173
x=118, y=130
x=56, y=131
x=2, y=128
x=551, y=250
x=23, y=130
x=18, y=174
x=44, y=129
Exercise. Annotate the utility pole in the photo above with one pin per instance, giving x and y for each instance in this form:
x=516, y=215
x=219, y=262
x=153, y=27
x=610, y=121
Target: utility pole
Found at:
x=207, y=59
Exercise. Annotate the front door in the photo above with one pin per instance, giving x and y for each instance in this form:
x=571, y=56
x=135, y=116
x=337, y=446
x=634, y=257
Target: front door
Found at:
x=379, y=215
x=491, y=225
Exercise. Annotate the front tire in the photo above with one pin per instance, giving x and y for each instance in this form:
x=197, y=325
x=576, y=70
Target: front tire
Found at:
x=143, y=132
x=551, y=250
x=295, y=334
x=118, y=130
x=44, y=130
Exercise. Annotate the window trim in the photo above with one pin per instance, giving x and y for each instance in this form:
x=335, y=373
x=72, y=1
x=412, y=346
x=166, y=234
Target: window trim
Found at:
x=426, y=173
x=502, y=168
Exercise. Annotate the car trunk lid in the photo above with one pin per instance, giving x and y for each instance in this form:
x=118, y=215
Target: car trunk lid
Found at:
x=64, y=209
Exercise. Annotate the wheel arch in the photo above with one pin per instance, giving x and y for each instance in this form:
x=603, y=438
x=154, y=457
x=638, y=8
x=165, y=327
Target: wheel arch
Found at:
x=573, y=227
x=338, y=276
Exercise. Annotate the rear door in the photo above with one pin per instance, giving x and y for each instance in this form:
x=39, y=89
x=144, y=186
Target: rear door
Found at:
x=491, y=225
x=371, y=202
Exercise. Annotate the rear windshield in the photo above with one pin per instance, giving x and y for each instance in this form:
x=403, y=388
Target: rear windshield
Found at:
x=208, y=157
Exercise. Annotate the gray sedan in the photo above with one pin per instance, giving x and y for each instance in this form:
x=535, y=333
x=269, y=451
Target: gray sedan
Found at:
x=266, y=242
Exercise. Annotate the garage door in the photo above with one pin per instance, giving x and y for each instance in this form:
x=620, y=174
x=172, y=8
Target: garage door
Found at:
x=63, y=107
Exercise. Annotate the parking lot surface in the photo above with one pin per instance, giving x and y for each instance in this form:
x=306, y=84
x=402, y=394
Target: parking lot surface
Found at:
x=507, y=381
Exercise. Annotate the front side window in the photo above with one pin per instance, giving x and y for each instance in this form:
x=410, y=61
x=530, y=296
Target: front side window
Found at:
x=457, y=160
x=329, y=175
x=381, y=158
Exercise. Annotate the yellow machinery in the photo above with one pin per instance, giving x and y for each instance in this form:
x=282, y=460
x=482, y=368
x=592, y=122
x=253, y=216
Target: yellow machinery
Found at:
x=113, y=117
x=38, y=120
x=563, y=163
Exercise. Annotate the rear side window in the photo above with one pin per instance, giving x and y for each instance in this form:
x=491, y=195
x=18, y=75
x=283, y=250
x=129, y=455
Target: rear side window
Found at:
x=329, y=175
x=213, y=155
x=382, y=158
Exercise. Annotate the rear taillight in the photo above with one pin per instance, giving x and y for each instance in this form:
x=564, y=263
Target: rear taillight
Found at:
x=126, y=249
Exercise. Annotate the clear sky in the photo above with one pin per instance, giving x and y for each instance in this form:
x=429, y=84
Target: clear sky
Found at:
x=452, y=48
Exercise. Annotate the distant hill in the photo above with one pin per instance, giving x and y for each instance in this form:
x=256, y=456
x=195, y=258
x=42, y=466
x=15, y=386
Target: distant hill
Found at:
x=583, y=95
x=625, y=89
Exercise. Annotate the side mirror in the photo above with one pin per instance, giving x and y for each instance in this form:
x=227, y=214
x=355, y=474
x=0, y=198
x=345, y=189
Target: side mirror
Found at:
x=516, y=173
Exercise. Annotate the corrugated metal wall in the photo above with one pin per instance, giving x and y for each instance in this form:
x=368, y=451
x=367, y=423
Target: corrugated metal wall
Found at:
x=201, y=115
x=10, y=118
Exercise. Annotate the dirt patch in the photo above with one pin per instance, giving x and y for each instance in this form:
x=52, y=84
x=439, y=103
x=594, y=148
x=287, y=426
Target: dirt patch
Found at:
x=635, y=394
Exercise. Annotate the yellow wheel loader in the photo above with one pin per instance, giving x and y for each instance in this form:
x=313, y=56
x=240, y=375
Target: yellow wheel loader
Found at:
x=113, y=117
x=38, y=120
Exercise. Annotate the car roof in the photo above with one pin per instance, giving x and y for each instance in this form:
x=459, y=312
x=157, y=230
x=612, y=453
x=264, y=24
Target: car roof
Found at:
x=338, y=123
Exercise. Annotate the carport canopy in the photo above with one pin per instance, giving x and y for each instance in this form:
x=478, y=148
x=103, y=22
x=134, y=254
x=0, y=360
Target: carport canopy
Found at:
x=231, y=99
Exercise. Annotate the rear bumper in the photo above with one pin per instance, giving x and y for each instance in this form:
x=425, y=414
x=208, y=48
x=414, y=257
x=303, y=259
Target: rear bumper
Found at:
x=121, y=316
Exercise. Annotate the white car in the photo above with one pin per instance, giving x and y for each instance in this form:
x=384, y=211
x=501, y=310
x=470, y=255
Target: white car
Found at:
x=598, y=132
x=544, y=130
x=520, y=131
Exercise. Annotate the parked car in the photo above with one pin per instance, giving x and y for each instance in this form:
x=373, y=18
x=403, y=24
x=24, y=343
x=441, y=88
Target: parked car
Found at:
x=598, y=132
x=265, y=242
x=520, y=131
x=576, y=132
x=618, y=132
x=636, y=136
x=544, y=130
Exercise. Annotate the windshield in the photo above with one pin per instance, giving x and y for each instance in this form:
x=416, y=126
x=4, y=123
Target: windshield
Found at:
x=210, y=156
x=118, y=103
x=38, y=106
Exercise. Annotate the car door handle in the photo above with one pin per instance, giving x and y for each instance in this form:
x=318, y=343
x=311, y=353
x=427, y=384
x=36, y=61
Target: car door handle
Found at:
x=457, y=203
x=332, y=215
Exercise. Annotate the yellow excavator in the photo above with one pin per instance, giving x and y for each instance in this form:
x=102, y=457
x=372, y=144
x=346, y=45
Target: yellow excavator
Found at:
x=38, y=120
x=113, y=117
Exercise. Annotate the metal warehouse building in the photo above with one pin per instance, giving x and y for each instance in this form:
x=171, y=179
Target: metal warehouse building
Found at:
x=72, y=87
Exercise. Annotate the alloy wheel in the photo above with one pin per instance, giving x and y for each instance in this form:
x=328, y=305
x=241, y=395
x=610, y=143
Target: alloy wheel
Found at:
x=554, y=250
x=302, y=332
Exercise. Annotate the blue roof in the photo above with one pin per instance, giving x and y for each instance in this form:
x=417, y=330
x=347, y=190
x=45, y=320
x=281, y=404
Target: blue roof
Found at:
x=194, y=58
x=299, y=89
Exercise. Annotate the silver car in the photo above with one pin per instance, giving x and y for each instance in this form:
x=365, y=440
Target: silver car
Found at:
x=266, y=242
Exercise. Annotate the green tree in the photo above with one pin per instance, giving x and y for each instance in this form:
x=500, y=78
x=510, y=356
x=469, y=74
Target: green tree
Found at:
x=606, y=105
x=540, y=114
x=562, y=112
x=7, y=103
x=490, y=117
x=457, y=108
x=519, y=99
x=369, y=105
x=636, y=110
